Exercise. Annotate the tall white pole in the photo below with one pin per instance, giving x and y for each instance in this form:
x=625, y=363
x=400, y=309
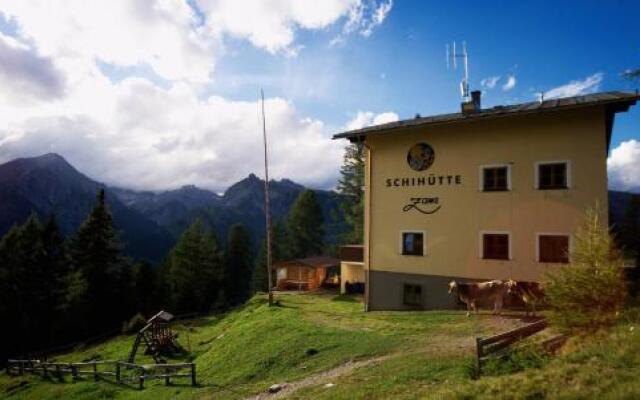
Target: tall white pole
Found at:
x=267, y=212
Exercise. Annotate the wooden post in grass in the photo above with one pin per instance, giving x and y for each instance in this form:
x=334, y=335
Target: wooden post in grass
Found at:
x=95, y=371
x=478, y=356
x=118, y=372
x=193, y=374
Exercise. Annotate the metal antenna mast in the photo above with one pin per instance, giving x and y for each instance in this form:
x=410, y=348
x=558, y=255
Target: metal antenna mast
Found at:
x=453, y=56
x=267, y=211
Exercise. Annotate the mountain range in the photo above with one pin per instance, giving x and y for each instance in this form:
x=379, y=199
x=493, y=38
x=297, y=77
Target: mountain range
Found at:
x=149, y=222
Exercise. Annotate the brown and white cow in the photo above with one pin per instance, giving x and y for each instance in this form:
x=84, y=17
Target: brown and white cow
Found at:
x=531, y=294
x=472, y=293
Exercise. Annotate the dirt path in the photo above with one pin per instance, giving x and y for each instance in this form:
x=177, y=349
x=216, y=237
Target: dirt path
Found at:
x=320, y=377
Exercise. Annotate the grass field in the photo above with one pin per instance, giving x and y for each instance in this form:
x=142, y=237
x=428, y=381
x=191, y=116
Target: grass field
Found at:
x=324, y=346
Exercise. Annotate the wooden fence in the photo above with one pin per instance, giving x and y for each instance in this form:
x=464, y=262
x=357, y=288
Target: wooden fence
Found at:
x=495, y=344
x=121, y=372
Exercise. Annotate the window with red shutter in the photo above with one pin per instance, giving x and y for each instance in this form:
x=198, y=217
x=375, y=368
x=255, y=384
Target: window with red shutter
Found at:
x=553, y=248
x=495, y=246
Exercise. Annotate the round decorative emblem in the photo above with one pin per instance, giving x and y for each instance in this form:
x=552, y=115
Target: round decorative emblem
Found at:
x=420, y=156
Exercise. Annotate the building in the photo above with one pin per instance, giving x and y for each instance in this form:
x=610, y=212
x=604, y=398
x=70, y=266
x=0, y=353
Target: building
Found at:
x=307, y=273
x=481, y=194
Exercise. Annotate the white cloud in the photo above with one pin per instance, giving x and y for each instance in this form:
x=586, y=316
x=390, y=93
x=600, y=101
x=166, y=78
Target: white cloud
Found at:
x=146, y=137
x=624, y=166
x=510, y=84
x=136, y=132
x=590, y=84
x=364, y=16
x=160, y=33
x=490, y=82
x=368, y=118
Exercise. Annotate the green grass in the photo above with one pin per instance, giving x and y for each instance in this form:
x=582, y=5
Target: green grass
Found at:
x=419, y=355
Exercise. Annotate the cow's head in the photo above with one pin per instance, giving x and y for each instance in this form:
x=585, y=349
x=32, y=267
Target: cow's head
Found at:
x=453, y=286
x=512, y=286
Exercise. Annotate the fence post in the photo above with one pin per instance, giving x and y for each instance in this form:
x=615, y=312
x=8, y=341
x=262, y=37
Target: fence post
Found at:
x=20, y=368
x=166, y=377
x=74, y=371
x=45, y=372
x=479, y=355
x=95, y=371
x=193, y=374
x=118, y=372
x=141, y=378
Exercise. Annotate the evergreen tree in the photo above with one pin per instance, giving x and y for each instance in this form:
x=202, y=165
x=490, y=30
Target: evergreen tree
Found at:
x=259, y=280
x=304, y=227
x=238, y=265
x=144, y=288
x=350, y=186
x=95, y=254
x=194, y=270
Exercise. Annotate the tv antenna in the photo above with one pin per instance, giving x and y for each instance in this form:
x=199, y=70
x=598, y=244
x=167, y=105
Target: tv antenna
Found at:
x=452, y=56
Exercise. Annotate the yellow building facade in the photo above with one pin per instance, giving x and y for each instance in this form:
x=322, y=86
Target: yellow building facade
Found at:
x=479, y=195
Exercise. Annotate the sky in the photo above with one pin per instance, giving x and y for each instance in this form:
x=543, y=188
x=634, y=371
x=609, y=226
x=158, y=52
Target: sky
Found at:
x=157, y=94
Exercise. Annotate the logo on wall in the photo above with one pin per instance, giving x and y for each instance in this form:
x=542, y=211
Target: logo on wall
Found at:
x=420, y=156
x=425, y=205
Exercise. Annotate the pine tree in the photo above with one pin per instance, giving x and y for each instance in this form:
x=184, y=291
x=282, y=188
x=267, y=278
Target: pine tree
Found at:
x=95, y=254
x=260, y=281
x=304, y=227
x=238, y=265
x=194, y=271
x=350, y=186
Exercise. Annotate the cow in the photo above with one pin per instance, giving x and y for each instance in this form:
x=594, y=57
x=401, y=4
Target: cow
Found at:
x=471, y=293
x=531, y=293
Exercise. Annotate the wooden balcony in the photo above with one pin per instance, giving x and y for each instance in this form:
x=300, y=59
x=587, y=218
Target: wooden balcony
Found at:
x=352, y=252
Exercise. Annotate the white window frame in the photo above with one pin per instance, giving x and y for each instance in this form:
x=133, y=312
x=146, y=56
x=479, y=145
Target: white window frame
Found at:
x=481, y=245
x=538, y=234
x=424, y=242
x=536, y=172
x=481, y=177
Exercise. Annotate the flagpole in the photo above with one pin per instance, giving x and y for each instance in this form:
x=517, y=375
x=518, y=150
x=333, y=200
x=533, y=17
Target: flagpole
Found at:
x=267, y=211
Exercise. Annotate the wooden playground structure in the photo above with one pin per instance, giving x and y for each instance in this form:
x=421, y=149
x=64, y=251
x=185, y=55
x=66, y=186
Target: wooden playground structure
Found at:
x=158, y=338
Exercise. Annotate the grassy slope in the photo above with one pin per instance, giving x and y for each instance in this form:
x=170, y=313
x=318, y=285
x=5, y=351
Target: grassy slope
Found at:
x=247, y=350
x=428, y=355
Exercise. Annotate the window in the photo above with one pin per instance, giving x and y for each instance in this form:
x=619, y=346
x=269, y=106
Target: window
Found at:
x=553, y=248
x=553, y=175
x=495, y=246
x=412, y=243
x=495, y=178
x=412, y=295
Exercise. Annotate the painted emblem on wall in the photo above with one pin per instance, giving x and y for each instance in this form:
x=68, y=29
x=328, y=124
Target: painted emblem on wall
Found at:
x=420, y=156
x=425, y=205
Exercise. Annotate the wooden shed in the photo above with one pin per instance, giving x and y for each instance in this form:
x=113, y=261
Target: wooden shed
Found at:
x=307, y=273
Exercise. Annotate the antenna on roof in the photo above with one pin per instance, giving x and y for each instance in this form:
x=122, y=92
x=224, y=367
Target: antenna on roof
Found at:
x=452, y=57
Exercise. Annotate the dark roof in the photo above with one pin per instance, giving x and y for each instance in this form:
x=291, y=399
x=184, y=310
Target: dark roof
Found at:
x=162, y=316
x=314, y=262
x=613, y=101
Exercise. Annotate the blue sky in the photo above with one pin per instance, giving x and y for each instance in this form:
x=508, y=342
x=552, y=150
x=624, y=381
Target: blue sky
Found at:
x=401, y=67
x=173, y=84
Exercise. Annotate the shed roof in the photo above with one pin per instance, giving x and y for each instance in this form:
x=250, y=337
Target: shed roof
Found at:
x=612, y=101
x=162, y=316
x=313, y=262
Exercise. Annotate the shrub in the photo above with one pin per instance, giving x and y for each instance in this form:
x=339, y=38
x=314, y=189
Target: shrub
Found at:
x=588, y=293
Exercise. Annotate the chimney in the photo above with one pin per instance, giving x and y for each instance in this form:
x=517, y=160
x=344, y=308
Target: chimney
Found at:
x=472, y=106
x=475, y=99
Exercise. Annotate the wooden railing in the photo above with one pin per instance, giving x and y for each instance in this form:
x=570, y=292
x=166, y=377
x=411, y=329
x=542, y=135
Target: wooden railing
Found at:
x=494, y=344
x=121, y=372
